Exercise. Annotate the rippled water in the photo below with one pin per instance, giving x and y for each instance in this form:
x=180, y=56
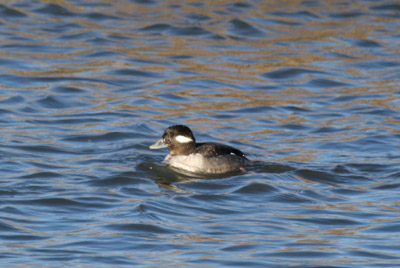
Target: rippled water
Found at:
x=308, y=89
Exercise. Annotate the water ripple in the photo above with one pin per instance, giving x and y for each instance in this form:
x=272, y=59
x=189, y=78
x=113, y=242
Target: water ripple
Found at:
x=55, y=10
x=244, y=29
x=10, y=12
x=287, y=73
x=308, y=90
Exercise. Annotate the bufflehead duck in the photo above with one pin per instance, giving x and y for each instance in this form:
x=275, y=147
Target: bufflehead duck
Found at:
x=185, y=153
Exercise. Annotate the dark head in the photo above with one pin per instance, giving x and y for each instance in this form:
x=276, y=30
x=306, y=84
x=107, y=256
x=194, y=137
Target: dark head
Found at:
x=178, y=139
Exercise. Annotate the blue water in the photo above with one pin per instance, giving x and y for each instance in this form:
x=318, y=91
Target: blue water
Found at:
x=309, y=90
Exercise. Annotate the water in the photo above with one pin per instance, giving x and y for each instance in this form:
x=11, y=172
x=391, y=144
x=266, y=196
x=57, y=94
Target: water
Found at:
x=308, y=89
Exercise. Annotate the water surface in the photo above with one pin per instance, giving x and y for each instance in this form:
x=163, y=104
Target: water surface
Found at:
x=308, y=89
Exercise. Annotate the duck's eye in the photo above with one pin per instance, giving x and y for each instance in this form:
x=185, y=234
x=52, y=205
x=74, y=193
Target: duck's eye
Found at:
x=171, y=135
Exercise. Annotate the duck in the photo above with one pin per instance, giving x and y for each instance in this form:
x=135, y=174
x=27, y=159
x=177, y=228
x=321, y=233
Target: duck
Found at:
x=186, y=154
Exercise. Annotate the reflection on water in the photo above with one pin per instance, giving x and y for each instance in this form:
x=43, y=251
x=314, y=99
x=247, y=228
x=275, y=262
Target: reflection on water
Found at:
x=308, y=89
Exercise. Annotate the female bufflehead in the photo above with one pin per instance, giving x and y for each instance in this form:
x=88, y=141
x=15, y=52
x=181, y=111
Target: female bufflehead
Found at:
x=185, y=153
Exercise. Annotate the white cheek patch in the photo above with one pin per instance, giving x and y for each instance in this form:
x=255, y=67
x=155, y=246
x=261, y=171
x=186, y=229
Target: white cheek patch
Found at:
x=183, y=139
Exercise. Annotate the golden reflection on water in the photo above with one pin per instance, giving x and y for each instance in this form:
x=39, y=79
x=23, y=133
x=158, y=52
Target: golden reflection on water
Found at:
x=233, y=63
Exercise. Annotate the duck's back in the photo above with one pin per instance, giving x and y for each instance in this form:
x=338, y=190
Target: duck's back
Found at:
x=215, y=149
x=209, y=158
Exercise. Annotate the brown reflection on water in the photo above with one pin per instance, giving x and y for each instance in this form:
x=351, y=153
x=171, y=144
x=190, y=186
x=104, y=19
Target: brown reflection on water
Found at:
x=326, y=40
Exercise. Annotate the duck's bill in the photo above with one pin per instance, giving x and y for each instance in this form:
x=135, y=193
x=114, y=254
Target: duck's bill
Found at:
x=159, y=144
